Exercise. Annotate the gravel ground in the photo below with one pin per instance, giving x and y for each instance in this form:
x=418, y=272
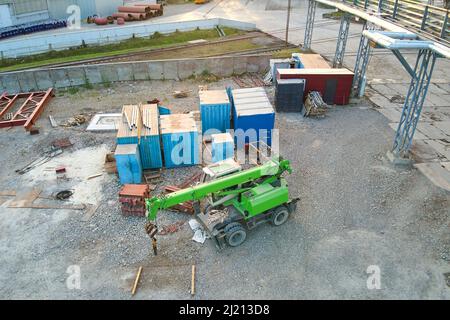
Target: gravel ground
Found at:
x=356, y=210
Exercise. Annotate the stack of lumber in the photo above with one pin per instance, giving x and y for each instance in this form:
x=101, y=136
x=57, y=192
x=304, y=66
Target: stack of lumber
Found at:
x=138, y=12
x=314, y=105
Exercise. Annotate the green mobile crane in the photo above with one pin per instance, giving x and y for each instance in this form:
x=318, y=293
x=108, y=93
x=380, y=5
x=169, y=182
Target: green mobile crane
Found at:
x=236, y=202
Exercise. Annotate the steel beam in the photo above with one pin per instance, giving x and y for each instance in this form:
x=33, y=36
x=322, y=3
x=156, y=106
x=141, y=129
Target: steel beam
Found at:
x=312, y=4
x=341, y=41
x=29, y=111
x=362, y=60
x=412, y=107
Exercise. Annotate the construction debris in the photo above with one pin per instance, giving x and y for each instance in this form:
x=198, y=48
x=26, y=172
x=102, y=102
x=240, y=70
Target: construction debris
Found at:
x=172, y=228
x=75, y=121
x=181, y=94
x=132, y=199
x=62, y=143
x=136, y=281
x=28, y=113
x=314, y=105
x=200, y=234
x=52, y=121
x=48, y=155
x=64, y=195
x=193, y=280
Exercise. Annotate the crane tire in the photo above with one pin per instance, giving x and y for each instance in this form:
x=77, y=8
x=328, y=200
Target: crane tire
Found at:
x=279, y=215
x=235, y=234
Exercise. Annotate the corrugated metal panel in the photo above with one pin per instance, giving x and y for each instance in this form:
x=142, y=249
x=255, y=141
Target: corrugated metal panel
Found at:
x=222, y=147
x=254, y=118
x=58, y=8
x=124, y=134
x=128, y=163
x=108, y=7
x=28, y=6
x=289, y=95
x=318, y=79
x=180, y=140
x=149, y=144
x=215, y=110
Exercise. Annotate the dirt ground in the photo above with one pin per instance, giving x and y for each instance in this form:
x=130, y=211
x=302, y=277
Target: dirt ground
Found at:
x=356, y=211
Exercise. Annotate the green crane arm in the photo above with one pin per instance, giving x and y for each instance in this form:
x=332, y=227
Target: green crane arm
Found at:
x=272, y=168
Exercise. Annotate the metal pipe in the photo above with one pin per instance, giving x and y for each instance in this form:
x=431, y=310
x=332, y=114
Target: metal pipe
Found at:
x=396, y=44
x=365, y=16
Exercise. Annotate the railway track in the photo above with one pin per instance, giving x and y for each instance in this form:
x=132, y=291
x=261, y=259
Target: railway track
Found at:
x=130, y=56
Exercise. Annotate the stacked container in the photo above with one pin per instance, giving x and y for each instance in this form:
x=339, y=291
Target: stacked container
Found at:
x=289, y=95
x=253, y=114
x=180, y=140
x=149, y=144
x=215, y=110
x=128, y=163
x=334, y=84
x=222, y=146
x=124, y=134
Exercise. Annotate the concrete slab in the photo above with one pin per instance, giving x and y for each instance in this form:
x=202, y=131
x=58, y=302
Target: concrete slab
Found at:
x=384, y=102
x=431, y=131
x=156, y=70
x=93, y=74
x=421, y=152
x=239, y=65
x=435, y=114
x=10, y=83
x=441, y=147
x=105, y=122
x=386, y=90
x=26, y=81
x=140, y=71
x=43, y=79
x=436, y=173
x=417, y=135
x=392, y=114
x=436, y=89
x=60, y=78
x=438, y=100
x=186, y=68
x=108, y=73
x=125, y=72
x=444, y=126
x=77, y=76
x=170, y=70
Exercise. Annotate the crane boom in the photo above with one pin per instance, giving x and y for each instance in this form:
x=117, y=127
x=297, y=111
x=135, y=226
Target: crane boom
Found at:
x=271, y=169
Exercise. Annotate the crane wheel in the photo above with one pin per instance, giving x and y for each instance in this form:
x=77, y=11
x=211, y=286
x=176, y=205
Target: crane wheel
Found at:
x=279, y=216
x=235, y=234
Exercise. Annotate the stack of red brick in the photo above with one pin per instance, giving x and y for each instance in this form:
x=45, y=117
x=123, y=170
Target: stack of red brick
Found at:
x=132, y=198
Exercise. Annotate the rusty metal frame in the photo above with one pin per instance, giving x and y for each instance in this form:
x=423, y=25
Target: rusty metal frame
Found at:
x=28, y=112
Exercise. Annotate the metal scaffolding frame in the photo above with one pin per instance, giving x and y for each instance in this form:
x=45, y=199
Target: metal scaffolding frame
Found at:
x=312, y=4
x=415, y=97
x=362, y=60
x=341, y=41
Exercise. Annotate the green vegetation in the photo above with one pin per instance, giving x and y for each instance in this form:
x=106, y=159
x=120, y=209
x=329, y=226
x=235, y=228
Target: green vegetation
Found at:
x=285, y=53
x=205, y=76
x=73, y=90
x=132, y=45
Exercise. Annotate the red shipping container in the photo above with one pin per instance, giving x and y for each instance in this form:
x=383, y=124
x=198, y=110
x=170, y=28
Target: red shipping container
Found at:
x=335, y=85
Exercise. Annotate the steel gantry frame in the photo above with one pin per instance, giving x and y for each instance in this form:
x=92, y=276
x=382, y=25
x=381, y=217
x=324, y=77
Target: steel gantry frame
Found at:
x=312, y=4
x=412, y=107
x=362, y=60
x=341, y=41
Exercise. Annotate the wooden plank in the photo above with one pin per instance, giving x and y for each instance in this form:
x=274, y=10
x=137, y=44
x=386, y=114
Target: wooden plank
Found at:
x=136, y=281
x=193, y=280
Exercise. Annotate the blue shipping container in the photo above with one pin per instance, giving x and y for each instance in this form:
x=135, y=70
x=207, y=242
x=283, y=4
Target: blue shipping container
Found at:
x=253, y=115
x=149, y=142
x=215, y=111
x=180, y=140
x=222, y=146
x=128, y=163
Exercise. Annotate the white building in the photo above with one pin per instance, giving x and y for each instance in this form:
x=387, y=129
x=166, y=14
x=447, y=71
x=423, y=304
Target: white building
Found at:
x=13, y=12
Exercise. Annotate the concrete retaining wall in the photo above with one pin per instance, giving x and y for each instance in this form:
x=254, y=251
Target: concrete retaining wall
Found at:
x=65, y=39
x=42, y=79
